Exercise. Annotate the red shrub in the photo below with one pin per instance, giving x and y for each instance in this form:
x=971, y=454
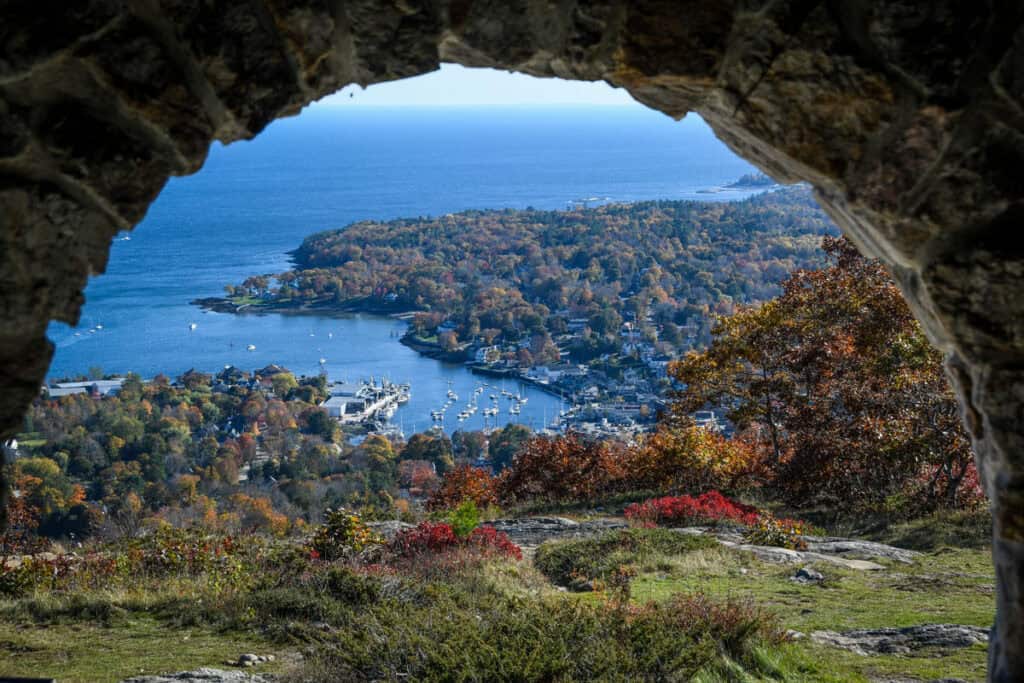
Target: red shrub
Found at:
x=438, y=538
x=708, y=508
x=427, y=537
x=490, y=541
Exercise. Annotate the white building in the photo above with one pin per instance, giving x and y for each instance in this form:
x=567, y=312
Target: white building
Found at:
x=97, y=387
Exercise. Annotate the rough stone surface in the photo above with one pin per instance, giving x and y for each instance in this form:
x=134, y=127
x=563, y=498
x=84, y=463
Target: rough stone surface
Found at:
x=203, y=675
x=767, y=553
x=903, y=640
x=842, y=552
x=907, y=118
x=862, y=550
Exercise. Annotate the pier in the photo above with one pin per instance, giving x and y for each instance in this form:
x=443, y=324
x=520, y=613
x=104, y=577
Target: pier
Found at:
x=364, y=402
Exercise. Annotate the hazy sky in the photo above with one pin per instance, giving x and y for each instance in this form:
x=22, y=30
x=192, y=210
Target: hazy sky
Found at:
x=459, y=86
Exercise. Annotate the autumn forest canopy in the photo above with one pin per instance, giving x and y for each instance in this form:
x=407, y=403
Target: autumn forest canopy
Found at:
x=502, y=275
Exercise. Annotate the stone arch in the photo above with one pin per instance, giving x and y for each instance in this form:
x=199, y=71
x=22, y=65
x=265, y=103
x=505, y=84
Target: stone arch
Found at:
x=907, y=117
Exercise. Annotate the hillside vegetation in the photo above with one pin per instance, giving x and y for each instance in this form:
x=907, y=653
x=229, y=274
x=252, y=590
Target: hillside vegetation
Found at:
x=503, y=274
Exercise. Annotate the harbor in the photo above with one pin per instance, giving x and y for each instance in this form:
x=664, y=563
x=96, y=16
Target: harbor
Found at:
x=365, y=402
x=491, y=402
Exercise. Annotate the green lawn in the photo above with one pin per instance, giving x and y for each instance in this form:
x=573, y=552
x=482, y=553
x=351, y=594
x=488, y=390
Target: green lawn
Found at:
x=30, y=440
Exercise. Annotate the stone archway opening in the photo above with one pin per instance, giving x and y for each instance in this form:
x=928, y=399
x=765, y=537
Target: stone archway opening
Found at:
x=909, y=123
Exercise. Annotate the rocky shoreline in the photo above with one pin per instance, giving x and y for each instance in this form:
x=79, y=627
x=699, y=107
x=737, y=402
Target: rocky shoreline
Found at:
x=219, y=304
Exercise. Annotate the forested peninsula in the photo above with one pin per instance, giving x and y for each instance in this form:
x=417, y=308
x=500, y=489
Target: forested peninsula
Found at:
x=503, y=276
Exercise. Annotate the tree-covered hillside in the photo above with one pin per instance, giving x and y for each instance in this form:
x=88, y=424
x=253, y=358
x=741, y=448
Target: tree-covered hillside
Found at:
x=510, y=274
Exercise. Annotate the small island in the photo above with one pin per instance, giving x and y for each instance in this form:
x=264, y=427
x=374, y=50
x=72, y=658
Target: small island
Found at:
x=752, y=181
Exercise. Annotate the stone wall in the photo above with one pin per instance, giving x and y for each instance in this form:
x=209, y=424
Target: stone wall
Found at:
x=907, y=117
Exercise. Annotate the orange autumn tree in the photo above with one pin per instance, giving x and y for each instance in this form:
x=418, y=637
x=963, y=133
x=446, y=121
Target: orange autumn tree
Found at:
x=256, y=513
x=685, y=458
x=465, y=482
x=566, y=468
x=836, y=384
x=20, y=534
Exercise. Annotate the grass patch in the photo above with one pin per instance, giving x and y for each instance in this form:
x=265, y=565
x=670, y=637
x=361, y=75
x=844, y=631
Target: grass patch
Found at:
x=942, y=529
x=947, y=586
x=597, y=557
x=30, y=440
x=245, y=300
x=86, y=652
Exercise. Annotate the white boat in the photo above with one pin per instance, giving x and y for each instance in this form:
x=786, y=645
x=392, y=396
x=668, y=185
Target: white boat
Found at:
x=99, y=327
x=322, y=361
x=250, y=347
x=523, y=400
x=192, y=326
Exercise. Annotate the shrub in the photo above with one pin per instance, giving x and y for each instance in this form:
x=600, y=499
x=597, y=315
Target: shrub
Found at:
x=464, y=519
x=341, y=533
x=438, y=538
x=15, y=579
x=171, y=551
x=459, y=634
x=709, y=508
x=426, y=537
x=489, y=541
x=599, y=557
x=351, y=587
x=782, y=533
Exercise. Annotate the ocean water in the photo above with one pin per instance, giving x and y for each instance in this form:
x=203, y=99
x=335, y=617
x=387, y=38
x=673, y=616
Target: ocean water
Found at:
x=254, y=201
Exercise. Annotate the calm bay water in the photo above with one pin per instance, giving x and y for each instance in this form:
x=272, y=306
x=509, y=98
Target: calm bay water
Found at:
x=255, y=201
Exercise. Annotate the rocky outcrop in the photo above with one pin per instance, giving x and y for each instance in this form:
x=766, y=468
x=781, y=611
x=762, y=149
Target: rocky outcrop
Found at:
x=786, y=556
x=907, y=118
x=865, y=550
x=903, y=640
x=530, y=532
x=844, y=552
x=203, y=675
